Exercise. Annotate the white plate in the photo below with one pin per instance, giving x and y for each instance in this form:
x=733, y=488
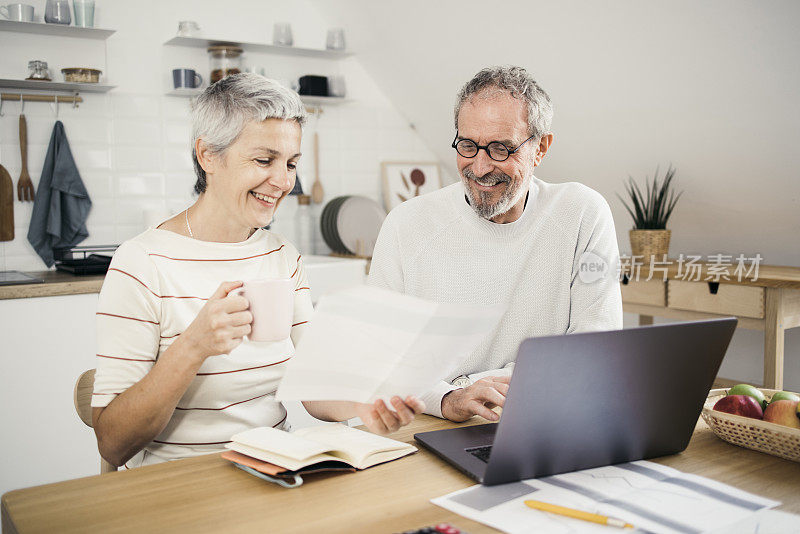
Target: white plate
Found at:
x=358, y=223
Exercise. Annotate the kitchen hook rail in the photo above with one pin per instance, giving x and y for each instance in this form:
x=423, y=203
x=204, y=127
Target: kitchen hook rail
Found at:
x=52, y=99
x=314, y=110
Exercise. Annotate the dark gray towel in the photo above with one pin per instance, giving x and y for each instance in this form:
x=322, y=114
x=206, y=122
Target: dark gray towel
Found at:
x=62, y=203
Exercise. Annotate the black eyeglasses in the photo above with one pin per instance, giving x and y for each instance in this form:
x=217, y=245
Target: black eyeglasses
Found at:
x=496, y=150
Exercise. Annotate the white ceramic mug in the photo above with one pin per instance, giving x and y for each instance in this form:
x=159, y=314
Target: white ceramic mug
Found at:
x=272, y=305
x=282, y=34
x=336, y=86
x=18, y=12
x=335, y=39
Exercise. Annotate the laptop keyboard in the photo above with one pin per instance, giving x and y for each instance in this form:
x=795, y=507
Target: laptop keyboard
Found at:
x=481, y=453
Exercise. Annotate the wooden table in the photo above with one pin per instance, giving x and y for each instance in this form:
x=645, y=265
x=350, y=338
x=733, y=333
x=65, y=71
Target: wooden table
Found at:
x=769, y=302
x=207, y=494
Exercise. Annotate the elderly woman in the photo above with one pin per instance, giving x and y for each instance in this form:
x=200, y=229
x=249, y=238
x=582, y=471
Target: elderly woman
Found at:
x=175, y=377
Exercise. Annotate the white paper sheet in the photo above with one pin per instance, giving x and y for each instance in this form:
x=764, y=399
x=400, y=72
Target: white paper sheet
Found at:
x=366, y=343
x=764, y=522
x=652, y=497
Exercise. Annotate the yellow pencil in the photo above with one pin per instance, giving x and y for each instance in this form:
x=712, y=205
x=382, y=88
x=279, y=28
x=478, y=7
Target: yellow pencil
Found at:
x=577, y=514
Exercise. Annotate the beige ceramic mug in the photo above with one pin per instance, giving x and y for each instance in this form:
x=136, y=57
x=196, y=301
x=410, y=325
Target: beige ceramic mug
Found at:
x=272, y=305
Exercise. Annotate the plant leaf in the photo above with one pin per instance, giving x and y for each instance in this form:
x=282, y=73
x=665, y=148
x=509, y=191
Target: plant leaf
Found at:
x=663, y=195
x=638, y=203
x=671, y=207
x=639, y=220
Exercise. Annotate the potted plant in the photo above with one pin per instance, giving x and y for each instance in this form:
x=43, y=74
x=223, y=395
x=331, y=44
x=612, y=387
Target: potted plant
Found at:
x=650, y=212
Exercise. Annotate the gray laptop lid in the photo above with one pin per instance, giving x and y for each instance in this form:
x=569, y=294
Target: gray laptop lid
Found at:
x=599, y=398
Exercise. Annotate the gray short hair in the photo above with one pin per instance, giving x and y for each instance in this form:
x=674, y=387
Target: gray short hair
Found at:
x=520, y=84
x=221, y=112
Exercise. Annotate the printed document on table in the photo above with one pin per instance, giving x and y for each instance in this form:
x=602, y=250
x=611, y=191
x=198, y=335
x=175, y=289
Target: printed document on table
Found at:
x=365, y=343
x=764, y=522
x=651, y=497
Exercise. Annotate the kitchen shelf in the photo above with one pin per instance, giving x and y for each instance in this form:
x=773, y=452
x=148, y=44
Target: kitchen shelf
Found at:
x=309, y=100
x=323, y=100
x=60, y=30
x=187, y=93
x=69, y=87
x=202, y=42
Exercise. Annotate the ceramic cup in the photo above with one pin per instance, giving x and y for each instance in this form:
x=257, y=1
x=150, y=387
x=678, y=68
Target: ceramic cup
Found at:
x=255, y=70
x=188, y=28
x=282, y=34
x=272, y=305
x=18, y=12
x=336, y=86
x=335, y=39
x=57, y=12
x=84, y=13
x=186, y=78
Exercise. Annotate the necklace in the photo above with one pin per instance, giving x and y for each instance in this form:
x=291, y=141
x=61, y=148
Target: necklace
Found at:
x=186, y=216
x=189, y=228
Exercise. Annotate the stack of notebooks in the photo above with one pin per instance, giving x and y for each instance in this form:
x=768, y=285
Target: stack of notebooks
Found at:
x=281, y=457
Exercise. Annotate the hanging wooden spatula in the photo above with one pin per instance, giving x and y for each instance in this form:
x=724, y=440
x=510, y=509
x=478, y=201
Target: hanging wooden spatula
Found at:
x=6, y=206
x=25, y=189
x=317, y=193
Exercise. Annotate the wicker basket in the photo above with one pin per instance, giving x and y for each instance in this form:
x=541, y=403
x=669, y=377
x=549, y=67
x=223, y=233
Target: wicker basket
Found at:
x=763, y=436
x=648, y=243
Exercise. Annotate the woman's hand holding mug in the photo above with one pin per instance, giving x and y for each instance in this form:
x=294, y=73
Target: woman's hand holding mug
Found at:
x=221, y=324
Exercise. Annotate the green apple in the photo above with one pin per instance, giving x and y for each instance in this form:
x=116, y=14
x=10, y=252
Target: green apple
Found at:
x=785, y=395
x=747, y=389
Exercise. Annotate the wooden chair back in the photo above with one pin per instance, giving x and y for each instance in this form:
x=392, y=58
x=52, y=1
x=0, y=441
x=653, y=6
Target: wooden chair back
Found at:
x=82, y=397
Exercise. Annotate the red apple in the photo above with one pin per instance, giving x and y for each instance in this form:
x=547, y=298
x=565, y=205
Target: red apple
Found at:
x=740, y=405
x=783, y=412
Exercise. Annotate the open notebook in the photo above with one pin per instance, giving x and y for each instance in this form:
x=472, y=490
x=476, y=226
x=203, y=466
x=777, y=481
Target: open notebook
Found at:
x=309, y=446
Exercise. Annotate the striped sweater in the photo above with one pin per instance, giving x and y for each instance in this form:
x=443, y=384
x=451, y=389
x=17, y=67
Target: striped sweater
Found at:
x=155, y=287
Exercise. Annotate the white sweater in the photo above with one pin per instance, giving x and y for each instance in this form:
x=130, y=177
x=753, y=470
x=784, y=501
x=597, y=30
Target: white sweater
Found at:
x=156, y=285
x=436, y=247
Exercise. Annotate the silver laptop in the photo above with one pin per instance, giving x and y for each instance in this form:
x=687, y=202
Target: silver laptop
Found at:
x=592, y=399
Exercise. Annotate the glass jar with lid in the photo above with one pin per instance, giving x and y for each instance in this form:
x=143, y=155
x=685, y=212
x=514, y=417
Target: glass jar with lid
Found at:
x=38, y=70
x=225, y=60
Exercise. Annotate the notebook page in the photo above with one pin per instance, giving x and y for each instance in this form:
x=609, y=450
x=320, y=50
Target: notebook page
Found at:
x=277, y=441
x=354, y=445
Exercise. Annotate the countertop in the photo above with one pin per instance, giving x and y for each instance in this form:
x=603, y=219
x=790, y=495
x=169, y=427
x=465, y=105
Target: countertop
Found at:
x=328, y=273
x=55, y=283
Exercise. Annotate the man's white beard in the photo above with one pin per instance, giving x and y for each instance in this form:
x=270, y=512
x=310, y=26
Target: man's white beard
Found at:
x=479, y=200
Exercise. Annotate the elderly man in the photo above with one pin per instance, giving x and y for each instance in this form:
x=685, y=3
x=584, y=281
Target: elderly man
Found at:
x=502, y=235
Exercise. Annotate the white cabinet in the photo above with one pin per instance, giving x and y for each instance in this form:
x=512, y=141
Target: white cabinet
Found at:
x=327, y=273
x=47, y=343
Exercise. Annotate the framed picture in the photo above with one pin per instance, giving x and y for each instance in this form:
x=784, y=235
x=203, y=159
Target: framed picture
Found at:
x=408, y=179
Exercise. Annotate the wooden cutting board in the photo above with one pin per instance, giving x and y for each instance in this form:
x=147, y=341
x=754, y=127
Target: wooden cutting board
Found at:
x=6, y=206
